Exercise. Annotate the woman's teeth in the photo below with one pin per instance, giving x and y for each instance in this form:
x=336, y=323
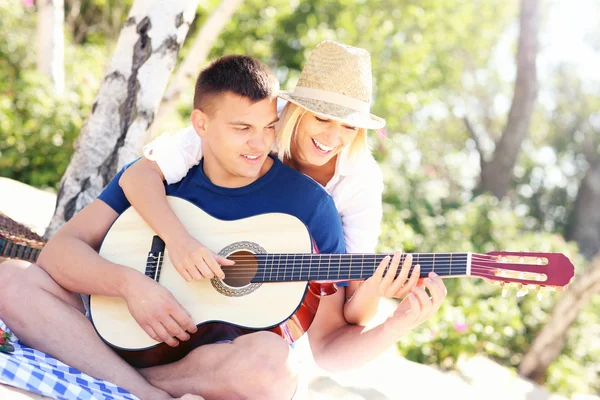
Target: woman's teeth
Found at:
x=250, y=157
x=322, y=146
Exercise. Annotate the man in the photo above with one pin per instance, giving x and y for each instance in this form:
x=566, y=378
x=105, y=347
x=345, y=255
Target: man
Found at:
x=234, y=113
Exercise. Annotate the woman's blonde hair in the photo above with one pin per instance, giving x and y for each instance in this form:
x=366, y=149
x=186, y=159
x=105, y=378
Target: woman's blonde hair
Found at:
x=288, y=125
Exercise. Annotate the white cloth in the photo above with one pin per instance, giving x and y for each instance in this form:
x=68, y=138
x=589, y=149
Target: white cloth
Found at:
x=356, y=186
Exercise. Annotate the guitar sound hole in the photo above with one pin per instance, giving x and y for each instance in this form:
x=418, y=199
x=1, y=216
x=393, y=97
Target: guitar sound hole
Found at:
x=241, y=273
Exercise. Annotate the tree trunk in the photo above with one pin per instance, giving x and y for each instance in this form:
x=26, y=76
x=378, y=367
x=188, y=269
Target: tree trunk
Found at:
x=496, y=174
x=51, y=42
x=550, y=341
x=129, y=95
x=196, y=57
x=585, y=226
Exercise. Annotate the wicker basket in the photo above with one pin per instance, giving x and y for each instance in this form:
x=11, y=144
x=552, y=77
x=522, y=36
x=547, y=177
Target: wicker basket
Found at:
x=17, y=241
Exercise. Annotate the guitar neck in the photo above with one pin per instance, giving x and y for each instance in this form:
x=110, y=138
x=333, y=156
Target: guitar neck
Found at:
x=9, y=249
x=326, y=267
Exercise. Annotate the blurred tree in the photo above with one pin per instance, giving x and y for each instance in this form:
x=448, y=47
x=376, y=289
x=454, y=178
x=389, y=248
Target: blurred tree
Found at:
x=38, y=126
x=127, y=99
x=193, y=62
x=584, y=227
x=574, y=138
x=551, y=340
x=553, y=180
x=476, y=319
x=497, y=173
x=51, y=42
x=95, y=21
x=417, y=49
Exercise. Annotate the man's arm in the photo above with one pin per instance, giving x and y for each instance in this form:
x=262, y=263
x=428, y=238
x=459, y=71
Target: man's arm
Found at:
x=70, y=257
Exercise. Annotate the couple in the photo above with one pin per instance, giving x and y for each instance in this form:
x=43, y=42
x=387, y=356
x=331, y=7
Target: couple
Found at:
x=322, y=133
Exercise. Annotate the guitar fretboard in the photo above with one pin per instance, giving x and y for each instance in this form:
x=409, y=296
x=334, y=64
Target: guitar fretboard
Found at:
x=9, y=249
x=323, y=267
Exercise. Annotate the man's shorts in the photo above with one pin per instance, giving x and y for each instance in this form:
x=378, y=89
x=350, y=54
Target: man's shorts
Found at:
x=228, y=334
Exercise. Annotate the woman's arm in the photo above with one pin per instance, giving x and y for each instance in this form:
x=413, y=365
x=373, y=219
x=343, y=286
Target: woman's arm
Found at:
x=359, y=202
x=338, y=346
x=170, y=158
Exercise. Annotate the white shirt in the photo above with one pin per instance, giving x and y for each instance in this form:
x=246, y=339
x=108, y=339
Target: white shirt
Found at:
x=356, y=186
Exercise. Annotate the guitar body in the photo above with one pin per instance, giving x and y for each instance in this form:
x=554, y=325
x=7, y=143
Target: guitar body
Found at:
x=275, y=283
x=287, y=308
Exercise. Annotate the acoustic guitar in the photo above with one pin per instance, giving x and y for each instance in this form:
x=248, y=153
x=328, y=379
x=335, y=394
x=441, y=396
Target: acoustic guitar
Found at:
x=276, y=281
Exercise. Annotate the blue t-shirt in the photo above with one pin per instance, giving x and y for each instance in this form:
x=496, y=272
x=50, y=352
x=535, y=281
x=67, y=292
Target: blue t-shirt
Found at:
x=281, y=190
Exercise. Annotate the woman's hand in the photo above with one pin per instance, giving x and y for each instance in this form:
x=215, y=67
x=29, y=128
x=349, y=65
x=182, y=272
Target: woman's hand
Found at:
x=387, y=284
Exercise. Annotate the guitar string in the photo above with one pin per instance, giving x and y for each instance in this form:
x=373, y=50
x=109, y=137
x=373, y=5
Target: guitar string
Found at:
x=481, y=271
x=342, y=259
x=252, y=261
x=348, y=268
x=342, y=276
x=404, y=255
x=294, y=264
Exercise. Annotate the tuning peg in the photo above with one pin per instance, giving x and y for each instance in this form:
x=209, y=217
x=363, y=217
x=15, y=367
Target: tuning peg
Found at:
x=522, y=291
x=540, y=293
x=504, y=289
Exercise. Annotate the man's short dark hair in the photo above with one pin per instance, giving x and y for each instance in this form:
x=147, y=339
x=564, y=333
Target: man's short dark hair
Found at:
x=241, y=75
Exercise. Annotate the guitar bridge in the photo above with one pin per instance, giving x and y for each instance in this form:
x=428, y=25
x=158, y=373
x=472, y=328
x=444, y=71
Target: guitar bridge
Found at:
x=155, y=258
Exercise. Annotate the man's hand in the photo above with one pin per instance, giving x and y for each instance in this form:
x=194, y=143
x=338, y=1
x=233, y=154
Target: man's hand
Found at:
x=379, y=285
x=418, y=306
x=194, y=261
x=157, y=311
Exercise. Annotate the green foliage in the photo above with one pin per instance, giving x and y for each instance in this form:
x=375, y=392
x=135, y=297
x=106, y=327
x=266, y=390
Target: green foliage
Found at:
x=95, y=21
x=558, y=154
x=423, y=215
x=38, y=128
x=417, y=49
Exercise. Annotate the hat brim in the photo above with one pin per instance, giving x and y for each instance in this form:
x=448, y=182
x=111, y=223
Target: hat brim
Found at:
x=339, y=113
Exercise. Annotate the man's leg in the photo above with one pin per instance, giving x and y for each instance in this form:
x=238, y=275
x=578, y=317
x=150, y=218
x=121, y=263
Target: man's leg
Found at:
x=253, y=366
x=51, y=319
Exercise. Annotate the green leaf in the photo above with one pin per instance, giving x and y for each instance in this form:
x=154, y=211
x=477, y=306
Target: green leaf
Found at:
x=7, y=348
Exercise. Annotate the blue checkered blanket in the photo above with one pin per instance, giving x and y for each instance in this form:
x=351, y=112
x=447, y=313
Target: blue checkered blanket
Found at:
x=37, y=372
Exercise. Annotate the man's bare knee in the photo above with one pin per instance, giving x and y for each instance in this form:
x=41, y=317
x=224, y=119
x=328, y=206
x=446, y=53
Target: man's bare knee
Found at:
x=254, y=366
x=9, y=269
x=11, y=276
x=267, y=364
x=21, y=278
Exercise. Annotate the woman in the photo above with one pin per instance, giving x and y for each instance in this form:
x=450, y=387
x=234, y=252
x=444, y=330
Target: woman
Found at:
x=322, y=133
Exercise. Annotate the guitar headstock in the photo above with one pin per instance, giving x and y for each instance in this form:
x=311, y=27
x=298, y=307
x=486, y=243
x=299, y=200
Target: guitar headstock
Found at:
x=525, y=270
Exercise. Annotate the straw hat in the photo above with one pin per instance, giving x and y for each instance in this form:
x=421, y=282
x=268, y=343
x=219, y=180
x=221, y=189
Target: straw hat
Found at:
x=336, y=83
